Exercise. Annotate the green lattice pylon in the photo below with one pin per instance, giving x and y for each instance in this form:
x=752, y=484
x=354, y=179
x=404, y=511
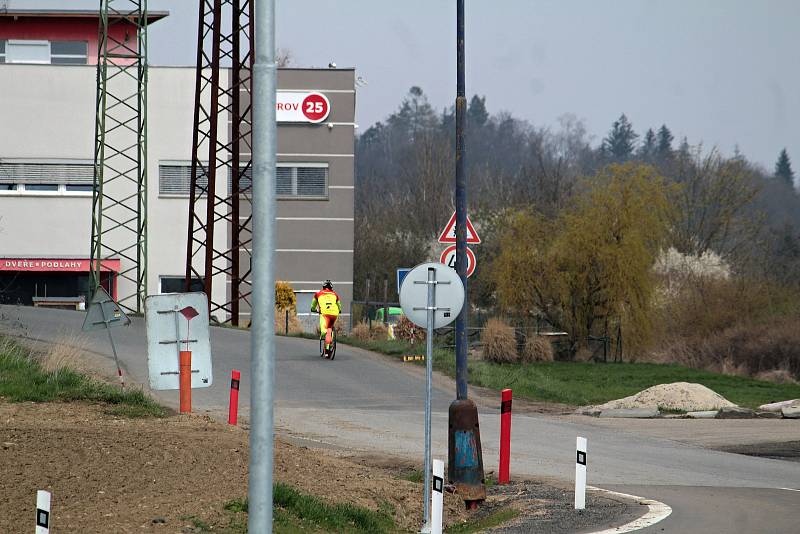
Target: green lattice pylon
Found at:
x=119, y=199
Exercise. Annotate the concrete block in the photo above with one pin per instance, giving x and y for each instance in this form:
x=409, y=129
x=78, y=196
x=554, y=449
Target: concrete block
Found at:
x=631, y=413
x=777, y=406
x=791, y=412
x=707, y=414
x=735, y=412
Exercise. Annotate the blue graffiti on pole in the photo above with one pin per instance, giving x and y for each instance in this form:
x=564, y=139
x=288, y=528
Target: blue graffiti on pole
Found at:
x=466, y=449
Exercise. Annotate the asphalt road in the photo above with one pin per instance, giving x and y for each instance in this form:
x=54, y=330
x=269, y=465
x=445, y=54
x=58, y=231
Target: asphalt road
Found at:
x=367, y=404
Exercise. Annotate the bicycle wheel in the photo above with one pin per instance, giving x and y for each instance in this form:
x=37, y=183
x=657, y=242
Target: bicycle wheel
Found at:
x=333, y=343
x=322, y=347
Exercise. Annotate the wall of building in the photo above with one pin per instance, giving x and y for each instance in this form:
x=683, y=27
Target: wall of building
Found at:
x=49, y=114
x=63, y=29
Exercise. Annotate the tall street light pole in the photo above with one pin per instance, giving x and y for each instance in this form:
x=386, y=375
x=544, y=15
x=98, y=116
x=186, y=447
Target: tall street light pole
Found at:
x=262, y=358
x=465, y=460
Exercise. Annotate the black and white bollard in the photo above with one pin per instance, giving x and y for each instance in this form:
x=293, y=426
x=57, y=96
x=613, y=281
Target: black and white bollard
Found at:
x=580, y=475
x=42, y=512
x=437, y=497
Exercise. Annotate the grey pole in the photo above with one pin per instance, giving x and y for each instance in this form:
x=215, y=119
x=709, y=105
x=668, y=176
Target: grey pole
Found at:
x=262, y=358
x=462, y=341
x=429, y=377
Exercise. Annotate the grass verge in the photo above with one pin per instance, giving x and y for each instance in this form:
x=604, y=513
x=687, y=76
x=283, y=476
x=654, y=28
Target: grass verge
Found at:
x=23, y=379
x=494, y=519
x=581, y=384
x=294, y=511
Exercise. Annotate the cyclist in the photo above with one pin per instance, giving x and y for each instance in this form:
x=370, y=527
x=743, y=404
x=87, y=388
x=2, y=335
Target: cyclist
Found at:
x=326, y=303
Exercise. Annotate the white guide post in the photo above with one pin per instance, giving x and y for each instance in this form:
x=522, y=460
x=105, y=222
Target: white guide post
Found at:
x=580, y=475
x=42, y=512
x=437, y=497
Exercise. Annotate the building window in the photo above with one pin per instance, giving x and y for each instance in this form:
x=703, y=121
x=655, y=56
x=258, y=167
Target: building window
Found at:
x=45, y=52
x=74, y=179
x=174, y=179
x=27, y=51
x=302, y=181
x=68, y=52
x=176, y=284
x=293, y=181
x=40, y=187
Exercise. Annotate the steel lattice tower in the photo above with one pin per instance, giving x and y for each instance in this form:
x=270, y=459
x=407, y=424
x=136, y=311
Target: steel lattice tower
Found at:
x=221, y=141
x=119, y=199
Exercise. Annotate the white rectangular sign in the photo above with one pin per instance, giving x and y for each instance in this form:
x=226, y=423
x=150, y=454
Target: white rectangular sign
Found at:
x=166, y=325
x=293, y=106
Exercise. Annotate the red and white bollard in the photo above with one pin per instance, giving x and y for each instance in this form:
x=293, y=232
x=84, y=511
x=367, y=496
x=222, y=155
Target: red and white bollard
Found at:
x=505, y=437
x=233, y=407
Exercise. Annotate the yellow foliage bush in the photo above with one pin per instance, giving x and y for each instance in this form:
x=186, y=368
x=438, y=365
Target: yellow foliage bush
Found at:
x=537, y=349
x=499, y=342
x=285, y=298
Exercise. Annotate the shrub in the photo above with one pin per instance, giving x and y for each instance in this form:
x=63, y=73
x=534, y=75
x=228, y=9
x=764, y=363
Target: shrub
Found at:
x=405, y=330
x=379, y=332
x=537, y=349
x=361, y=332
x=280, y=322
x=743, y=349
x=499, y=342
x=284, y=296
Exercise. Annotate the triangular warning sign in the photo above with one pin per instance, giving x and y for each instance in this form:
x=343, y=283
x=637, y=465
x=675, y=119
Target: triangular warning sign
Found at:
x=103, y=312
x=448, y=235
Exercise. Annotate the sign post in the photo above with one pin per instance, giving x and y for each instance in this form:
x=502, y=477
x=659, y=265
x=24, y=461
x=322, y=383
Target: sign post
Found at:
x=104, y=313
x=176, y=359
x=432, y=295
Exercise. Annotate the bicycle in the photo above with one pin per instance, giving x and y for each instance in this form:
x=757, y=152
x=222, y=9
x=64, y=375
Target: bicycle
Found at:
x=332, y=353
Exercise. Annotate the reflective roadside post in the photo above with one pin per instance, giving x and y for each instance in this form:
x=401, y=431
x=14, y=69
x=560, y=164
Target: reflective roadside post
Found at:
x=431, y=296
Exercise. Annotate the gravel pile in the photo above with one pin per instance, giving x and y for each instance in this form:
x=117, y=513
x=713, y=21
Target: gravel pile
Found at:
x=683, y=396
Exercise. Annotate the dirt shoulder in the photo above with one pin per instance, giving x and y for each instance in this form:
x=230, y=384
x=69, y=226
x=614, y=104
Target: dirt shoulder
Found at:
x=108, y=474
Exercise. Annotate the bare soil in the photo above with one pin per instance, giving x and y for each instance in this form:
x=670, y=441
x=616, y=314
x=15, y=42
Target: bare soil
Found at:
x=110, y=474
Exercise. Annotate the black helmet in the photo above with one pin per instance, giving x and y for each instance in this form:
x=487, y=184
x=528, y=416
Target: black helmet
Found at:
x=327, y=285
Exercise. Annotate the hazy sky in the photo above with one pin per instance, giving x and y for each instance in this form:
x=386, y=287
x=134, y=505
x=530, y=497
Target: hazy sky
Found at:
x=719, y=71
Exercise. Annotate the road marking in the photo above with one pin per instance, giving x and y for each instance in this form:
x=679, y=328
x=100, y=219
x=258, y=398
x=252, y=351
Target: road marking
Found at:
x=658, y=511
x=790, y=489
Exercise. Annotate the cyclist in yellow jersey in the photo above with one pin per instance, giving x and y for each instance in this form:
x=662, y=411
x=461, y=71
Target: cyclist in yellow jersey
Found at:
x=326, y=303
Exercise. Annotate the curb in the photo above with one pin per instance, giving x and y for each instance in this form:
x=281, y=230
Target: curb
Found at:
x=657, y=511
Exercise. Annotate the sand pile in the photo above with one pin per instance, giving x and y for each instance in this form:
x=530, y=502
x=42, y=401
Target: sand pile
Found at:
x=682, y=396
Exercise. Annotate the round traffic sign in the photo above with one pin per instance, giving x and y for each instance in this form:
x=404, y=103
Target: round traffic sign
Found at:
x=448, y=296
x=448, y=257
x=316, y=107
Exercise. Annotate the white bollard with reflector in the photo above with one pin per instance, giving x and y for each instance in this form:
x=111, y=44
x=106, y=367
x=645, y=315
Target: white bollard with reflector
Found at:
x=42, y=512
x=437, y=497
x=580, y=475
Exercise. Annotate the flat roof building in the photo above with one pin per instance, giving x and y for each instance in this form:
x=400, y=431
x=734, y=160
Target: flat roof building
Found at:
x=47, y=104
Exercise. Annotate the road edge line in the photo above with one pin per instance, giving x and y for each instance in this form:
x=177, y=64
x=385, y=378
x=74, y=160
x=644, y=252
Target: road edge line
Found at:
x=657, y=512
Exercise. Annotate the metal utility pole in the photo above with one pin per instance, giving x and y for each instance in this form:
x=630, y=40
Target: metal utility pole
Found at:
x=119, y=197
x=221, y=151
x=465, y=460
x=262, y=358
